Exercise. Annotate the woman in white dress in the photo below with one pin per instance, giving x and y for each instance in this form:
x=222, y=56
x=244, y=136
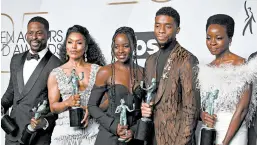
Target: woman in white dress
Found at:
x=226, y=73
x=79, y=52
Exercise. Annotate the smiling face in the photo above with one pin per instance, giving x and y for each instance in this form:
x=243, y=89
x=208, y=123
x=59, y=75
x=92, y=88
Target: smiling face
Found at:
x=217, y=39
x=75, y=46
x=36, y=36
x=122, y=50
x=165, y=29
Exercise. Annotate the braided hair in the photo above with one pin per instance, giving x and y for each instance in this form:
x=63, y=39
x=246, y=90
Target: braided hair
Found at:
x=133, y=64
x=93, y=53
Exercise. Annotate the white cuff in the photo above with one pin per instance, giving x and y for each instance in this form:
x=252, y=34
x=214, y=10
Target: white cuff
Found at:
x=47, y=124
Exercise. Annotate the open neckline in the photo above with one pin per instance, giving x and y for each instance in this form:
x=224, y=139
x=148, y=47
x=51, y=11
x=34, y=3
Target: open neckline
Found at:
x=68, y=76
x=90, y=74
x=127, y=89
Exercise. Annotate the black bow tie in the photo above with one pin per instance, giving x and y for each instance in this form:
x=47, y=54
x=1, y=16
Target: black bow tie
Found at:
x=32, y=56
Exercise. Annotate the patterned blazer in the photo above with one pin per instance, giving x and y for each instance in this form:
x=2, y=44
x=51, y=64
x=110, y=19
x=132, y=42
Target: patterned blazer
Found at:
x=177, y=101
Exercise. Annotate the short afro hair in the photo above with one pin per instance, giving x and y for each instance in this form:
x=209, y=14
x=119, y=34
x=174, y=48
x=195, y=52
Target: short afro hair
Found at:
x=169, y=11
x=224, y=20
x=41, y=20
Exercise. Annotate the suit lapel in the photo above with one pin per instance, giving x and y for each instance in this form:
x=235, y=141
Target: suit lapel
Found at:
x=161, y=88
x=33, y=78
x=19, y=76
x=165, y=75
x=152, y=73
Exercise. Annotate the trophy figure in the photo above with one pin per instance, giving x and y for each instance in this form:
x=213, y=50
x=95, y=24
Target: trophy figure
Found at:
x=76, y=113
x=144, y=126
x=122, y=109
x=29, y=130
x=208, y=133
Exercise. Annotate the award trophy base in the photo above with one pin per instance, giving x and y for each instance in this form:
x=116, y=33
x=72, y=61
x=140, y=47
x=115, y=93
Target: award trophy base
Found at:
x=8, y=125
x=121, y=139
x=208, y=136
x=144, y=129
x=76, y=116
x=124, y=140
x=26, y=135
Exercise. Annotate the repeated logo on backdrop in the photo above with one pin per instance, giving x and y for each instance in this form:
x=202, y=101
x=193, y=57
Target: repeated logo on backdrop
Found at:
x=15, y=42
x=146, y=44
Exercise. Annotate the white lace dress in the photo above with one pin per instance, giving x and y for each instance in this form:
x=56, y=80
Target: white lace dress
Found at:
x=231, y=81
x=63, y=134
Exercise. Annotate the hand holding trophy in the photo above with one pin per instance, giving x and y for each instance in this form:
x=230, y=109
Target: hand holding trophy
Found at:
x=145, y=124
x=76, y=113
x=122, y=109
x=208, y=133
x=31, y=128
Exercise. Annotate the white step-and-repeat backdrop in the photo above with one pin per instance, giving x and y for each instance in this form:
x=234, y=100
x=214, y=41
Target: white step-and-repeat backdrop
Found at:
x=103, y=17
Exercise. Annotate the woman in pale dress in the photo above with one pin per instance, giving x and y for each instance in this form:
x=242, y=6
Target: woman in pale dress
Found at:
x=79, y=52
x=226, y=73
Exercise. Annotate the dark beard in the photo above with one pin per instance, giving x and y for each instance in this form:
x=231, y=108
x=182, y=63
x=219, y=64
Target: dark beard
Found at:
x=42, y=46
x=161, y=45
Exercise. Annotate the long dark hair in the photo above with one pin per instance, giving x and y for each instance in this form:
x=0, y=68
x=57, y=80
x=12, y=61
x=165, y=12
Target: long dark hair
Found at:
x=93, y=53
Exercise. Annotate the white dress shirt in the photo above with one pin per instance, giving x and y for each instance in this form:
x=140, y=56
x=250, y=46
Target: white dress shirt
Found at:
x=30, y=65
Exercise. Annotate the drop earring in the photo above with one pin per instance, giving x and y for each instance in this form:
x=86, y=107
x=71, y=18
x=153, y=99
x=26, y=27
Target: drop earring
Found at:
x=85, y=56
x=67, y=56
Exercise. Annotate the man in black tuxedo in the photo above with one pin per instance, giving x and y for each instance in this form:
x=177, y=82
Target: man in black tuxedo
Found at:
x=28, y=84
x=252, y=132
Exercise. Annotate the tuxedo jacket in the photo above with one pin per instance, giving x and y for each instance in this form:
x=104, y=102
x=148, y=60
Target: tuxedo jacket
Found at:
x=177, y=101
x=23, y=97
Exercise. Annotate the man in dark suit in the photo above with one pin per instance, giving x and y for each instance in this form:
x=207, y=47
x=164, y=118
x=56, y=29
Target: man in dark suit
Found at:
x=252, y=132
x=28, y=85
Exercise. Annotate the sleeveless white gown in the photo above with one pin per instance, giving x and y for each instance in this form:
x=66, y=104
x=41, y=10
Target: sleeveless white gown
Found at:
x=63, y=134
x=231, y=81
